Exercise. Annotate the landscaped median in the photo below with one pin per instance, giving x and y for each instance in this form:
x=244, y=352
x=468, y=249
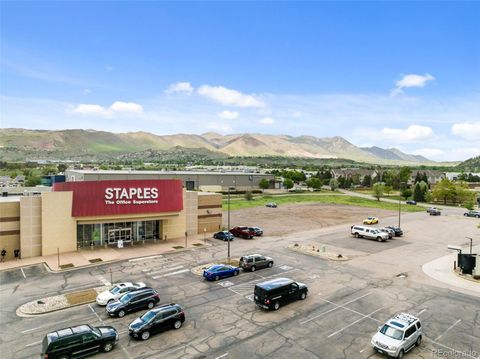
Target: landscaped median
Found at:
x=198, y=270
x=324, y=251
x=58, y=302
x=321, y=197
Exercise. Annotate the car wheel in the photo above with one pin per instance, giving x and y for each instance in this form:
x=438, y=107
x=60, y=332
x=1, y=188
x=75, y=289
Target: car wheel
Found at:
x=465, y=214
x=150, y=305
x=276, y=306
x=303, y=296
x=236, y=273
x=217, y=277
x=108, y=346
x=177, y=324
x=356, y=235
x=379, y=239
x=145, y=335
x=253, y=269
x=478, y=216
x=400, y=354
x=121, y=313
x=419, y=341
x=270, y=264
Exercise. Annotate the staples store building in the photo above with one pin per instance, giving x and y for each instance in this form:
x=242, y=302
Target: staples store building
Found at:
x=99, y=213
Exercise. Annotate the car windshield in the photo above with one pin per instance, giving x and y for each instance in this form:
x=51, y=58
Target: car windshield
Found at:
x=115, y=290
x=96, y=331
x=148, y=316
x=391, y=332
x=125, y=298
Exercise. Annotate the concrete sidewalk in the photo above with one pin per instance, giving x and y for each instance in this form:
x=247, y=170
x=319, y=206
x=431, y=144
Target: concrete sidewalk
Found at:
x=90, y=257
x=441, y=269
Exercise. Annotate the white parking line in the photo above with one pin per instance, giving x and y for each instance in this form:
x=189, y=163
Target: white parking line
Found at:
x=355, y=322
x=32, y=344
x=24, y=276
x=96, y=314
x=165, y=269
x=145, y=258
x=337, y=306
x=350, y=310
x=125, y=350
x=462, y=353
x=421, y=312
x=450, y=327
x=222, y=356
x=361, y=351
x=172, y=273
x=103, y=280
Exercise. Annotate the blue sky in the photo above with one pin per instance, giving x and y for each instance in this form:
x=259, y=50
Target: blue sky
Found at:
x=390, y=74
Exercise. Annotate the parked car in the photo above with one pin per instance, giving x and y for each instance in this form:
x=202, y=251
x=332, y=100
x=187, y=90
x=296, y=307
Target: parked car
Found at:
x=370, y=233
x=156, y=320
x=78, y=341
x=219, y=271
x=257, y=230
x=131, y=302
x=474, y=213
x=411, y=201
x=398, y=336
x=397, y=230
x=271, y=205
x=117, y=291
x=276, y=292
x=243, y=232
x=435, y=212
x=253, y=262
x=389, y=231
x=224, y=236
x=370, y=220
x=429, y=209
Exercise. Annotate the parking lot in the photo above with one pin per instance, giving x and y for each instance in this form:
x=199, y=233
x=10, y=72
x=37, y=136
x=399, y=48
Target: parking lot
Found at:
x=346, y=303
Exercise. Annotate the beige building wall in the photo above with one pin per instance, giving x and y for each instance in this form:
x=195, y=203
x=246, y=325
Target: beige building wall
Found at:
x=59, y=228
x=175, y=226
x=209, y=212
x=9, y=227
x=191, y=205
x=31, y=226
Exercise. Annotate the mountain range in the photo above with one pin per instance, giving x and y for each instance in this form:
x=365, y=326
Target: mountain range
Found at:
x=24, y=144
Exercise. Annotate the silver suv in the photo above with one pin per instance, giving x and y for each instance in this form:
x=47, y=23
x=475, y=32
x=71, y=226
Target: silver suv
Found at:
x=398, y=335
x=253, y=262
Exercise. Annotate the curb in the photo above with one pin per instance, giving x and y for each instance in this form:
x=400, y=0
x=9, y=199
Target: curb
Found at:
x=314, y=254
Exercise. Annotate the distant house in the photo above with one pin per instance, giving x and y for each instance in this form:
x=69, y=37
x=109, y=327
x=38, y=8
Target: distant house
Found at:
x=453, y=176
x=351, y=172
x=433, y=176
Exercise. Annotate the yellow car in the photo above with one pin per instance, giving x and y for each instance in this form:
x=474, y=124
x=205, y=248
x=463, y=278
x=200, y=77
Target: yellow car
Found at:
x=370, y=220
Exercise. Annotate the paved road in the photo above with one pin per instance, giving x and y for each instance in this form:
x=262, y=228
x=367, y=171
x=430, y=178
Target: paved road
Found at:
x=346, y=303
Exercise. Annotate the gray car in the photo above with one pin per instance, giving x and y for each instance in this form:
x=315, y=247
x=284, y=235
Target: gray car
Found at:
x=253, y=262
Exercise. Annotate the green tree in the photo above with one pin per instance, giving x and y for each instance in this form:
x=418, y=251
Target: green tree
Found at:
x=378, y=189
x=49, y=170
x=388, y=190
x=264, y=184
x=406, y=193
x=288, y=183
x=333, y=184
x=367, y=181
x=62, y=167
x=248, y=195
x=314, y=182
x=32, y=180
x=404, y=174
x=444, y=191
x=418, y=194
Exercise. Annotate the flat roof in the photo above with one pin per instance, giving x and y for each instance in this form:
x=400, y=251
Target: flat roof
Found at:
x=10, y=199
x=143, y=172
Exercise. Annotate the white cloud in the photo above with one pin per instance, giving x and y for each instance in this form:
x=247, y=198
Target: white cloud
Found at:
x=267, y=121
x=180, y=87
x=410, y=134
x=120, y=106
x=87, y=91
x=228, y=115
x=117, y=107
x=411, y=80
x=430, y=153
x=230, y=97
x=467, y=130
x=219, y=127
x=109, y=68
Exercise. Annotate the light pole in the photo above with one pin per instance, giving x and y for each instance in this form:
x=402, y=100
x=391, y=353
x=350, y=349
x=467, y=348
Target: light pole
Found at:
x=228, y=220
x=471, y=242
x=400, y=203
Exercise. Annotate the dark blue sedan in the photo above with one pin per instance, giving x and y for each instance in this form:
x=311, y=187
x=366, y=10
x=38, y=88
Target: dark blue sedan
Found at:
x=219, y=271
x=224, y=236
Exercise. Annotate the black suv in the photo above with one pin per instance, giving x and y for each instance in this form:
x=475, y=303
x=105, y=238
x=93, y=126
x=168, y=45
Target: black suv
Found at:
x=155, y=320
x=398, y=231
x=276, y=292
x=78, y=341
x=133, y=301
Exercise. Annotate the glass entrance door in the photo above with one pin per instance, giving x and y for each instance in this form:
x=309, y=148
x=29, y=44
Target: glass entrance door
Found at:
x=125, y=234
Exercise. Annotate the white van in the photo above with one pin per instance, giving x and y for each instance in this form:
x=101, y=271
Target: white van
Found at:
x=370, y=233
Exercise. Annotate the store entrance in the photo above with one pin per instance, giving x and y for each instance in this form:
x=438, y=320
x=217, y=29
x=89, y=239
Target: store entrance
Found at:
x=124, y=234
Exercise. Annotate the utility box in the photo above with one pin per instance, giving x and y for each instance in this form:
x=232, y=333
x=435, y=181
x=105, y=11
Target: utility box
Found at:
x=467, y=262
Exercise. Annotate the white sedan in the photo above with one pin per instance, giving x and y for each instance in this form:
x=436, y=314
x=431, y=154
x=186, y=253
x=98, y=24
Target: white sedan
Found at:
x=117, y=291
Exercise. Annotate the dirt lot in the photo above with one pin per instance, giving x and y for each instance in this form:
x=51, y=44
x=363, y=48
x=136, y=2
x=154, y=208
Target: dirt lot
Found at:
x=291, y=218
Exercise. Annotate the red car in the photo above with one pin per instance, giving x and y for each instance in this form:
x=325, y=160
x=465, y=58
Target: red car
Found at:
x=243, y=232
